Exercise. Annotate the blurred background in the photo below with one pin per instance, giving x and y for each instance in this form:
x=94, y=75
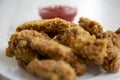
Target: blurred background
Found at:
x=15, y=12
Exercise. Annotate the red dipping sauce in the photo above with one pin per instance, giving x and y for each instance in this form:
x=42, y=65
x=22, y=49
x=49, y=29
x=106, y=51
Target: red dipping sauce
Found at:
x=65, y=12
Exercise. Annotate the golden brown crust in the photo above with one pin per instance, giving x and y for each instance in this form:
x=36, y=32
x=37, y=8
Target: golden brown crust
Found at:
x=29, y=44
x=50, y=26
x=53, y=50
x=58, y=50
x=91, y=26
x=87, y=47
x=112, y=61
x=19, y=46
x=23, y=38
x=52, y=70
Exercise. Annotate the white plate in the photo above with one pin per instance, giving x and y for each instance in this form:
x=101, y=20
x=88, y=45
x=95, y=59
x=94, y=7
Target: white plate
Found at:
x=10, y=70
x=15, y=12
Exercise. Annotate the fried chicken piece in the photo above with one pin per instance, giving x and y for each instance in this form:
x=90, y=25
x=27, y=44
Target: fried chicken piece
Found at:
x=58, y=26
x=54, y=50
x=27, y=45
x=52, y=70
x=50, y=26
x=19, y=45
x=112, y=61
x=64, y=48
x=91, y=26
x=86, y=46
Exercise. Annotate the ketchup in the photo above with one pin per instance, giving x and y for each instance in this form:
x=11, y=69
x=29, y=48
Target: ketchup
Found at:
x=64, y=12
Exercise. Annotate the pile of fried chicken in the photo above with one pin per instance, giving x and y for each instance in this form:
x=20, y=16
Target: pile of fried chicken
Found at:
x=56, y=49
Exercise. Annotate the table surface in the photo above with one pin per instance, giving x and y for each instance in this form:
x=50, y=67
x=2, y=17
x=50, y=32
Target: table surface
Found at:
x=15, y=12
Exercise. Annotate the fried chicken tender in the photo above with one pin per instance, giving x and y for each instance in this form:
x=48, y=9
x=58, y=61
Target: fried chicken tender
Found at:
x=27, y=58
x=61, y=27
x=87, y=47
x=50, y=26
x=28, y=44
x=91, y=26
x=52, y=70
x=56, y=49
x=52, y=49
x=58, y=26
x=58, y=52
x=112, y=61
x=19, y=45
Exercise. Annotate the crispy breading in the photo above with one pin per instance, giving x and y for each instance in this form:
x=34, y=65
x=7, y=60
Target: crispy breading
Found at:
x=86, y=46
x=51, y=70
x=112, y=61
x=91, y=26
x=28, y=44
x=54, y=50
x=58, y=26
x=19, y=46
x=50, y=26
x=22, y=36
